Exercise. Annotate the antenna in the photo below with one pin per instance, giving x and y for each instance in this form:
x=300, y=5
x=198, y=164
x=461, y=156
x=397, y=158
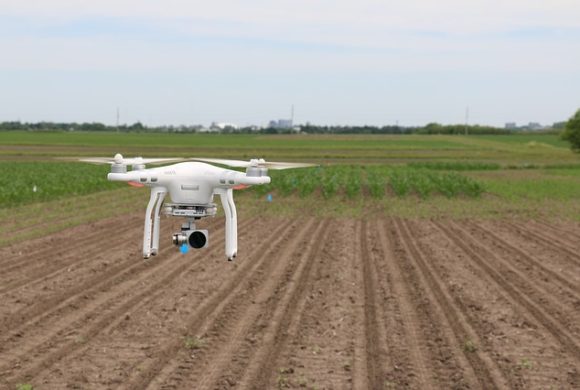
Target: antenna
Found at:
x=292, y=116
x=117, y=119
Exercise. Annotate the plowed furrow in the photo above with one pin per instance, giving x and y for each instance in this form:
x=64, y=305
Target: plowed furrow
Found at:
x=89, y=240
x=85, y=326
x=17, y=221
x=79, y=294
x=20, y=228
x=570, y=236
x=377, y=355
x=317, y=346
x=480, y=369
x=71, y=332
x=236, y=352
x=45, y=271
x=173, y=356
x=526, y=232
x=283, y=313
x=529, y=260
x=37, y=247
x=232, y=323
x=407, y=344
x=519, y=290
x=124, y=326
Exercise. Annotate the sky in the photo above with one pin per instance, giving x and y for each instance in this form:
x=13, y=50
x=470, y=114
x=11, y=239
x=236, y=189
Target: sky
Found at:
x=339, y=62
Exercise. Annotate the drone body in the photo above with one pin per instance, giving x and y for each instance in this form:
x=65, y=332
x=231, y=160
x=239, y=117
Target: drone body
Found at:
x=191, y=187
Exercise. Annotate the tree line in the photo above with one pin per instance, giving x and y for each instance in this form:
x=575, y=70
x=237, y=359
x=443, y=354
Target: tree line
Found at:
x=431, y=128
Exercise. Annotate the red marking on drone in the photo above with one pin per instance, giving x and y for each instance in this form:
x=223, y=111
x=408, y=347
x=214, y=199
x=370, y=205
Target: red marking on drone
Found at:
x=241, y=187
x=135, y=184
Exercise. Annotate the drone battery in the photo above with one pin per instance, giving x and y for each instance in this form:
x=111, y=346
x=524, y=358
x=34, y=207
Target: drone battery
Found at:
x=189, y=211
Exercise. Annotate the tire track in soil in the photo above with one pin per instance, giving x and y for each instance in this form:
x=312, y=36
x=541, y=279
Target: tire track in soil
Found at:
x=518, y=289
x=552, y=243
x=283, y=314
x=59, y=345
x=479, y=369
x=412, y=362
x=565, y=284
x=41, y=272
x=172, y=362
x=15, y=325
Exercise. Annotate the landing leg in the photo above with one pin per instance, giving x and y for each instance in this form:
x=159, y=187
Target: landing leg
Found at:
x=156, y=222
x=234, y=224
x=155, y=196
x=227, y=199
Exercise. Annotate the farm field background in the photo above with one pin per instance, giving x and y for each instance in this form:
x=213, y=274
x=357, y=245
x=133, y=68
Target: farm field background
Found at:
x=401, y=262
x=401, y=175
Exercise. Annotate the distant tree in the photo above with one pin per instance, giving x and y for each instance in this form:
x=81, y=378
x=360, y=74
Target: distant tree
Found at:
x=572, y=132
x=559, y=125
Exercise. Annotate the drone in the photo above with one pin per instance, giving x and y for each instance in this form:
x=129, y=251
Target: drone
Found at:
x=191, y=185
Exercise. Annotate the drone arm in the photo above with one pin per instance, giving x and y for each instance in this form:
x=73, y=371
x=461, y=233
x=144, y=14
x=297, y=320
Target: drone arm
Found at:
x=128, y=176
x=231, y=232
x=252, y=180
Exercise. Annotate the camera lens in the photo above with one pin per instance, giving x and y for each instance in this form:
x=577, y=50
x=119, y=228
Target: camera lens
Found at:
x=197, y=239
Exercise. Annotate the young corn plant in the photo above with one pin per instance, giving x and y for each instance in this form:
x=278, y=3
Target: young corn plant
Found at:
x=353, y=184
x=330, y=185
x=400, y=183
x=423, y=185
x=375, y=182
x=308, y=183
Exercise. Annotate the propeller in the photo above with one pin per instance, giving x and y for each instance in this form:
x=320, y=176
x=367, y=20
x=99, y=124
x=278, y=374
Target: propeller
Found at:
x=255, y=163
x=119, y=159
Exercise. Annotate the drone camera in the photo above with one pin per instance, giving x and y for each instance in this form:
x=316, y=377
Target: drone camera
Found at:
x=196, y=239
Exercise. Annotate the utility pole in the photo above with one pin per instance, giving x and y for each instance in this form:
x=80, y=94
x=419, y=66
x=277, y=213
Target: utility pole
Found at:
x=466, y=120
x=117, y=119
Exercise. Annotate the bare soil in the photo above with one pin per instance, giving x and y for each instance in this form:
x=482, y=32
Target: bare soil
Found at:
x=309, y=303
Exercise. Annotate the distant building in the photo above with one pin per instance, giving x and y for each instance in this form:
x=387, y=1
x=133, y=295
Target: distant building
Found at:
x=511, y=126
x=223, y=126
x=535, y=126
x=281, y=124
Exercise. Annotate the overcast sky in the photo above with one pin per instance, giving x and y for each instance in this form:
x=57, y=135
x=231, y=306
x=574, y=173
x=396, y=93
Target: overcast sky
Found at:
x=246, y=62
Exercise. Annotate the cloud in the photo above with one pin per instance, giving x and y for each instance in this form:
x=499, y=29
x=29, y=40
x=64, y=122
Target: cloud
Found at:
x=306, y=41
x=301, y=35
x=443, y=15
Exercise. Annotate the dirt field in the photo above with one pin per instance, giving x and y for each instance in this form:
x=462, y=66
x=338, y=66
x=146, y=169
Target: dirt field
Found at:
x=324, y=304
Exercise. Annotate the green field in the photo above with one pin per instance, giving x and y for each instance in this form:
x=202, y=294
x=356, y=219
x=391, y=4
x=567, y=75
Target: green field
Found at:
x=409, y=175
x=392, y=149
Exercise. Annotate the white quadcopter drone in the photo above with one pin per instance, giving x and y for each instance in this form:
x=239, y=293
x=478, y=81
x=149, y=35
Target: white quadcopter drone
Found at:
x=191, y=186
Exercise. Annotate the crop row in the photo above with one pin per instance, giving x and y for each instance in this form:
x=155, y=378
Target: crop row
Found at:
x=30, y=182
x=372, y=181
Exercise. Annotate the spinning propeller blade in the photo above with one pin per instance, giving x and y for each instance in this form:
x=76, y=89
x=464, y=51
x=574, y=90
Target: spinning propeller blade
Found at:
x=261, y=163
x=118, y=159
